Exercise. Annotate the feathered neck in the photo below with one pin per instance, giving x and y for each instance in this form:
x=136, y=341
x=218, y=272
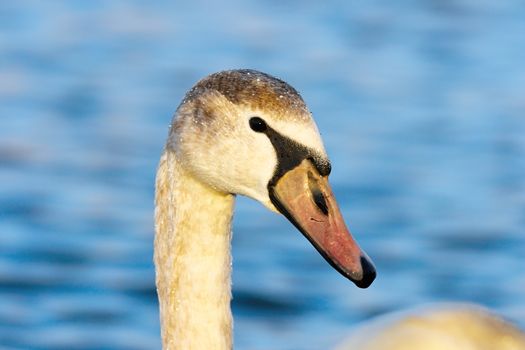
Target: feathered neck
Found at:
x=192, y=259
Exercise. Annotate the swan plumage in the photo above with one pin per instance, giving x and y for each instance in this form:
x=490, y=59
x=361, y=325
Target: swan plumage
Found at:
x=440, y=326
x=239, y=132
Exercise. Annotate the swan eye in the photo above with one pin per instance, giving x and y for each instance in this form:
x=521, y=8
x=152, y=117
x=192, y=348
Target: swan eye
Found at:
x=257, y=124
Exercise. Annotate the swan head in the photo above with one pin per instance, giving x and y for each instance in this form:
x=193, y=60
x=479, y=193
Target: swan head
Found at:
x=246, y=132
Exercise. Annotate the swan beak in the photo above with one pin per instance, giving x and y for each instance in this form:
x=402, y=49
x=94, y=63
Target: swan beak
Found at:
x=306, y=199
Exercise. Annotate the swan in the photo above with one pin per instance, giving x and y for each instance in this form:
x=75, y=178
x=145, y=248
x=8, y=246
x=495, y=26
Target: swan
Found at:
x=238, y=132
x=440, y=326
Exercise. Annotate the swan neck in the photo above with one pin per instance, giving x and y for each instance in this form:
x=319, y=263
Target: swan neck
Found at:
x=192, y=259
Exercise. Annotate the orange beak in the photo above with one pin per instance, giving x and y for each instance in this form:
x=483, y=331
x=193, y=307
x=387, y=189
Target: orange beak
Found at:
x=306, y=199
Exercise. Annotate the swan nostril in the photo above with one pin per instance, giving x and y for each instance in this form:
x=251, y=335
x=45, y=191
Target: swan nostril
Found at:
x=320, y=201
x=317, y=195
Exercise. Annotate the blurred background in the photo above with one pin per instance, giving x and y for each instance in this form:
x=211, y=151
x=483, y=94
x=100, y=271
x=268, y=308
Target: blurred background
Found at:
x=421, y=107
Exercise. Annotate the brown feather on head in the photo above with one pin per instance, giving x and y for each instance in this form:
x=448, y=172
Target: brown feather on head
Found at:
x=257, y=90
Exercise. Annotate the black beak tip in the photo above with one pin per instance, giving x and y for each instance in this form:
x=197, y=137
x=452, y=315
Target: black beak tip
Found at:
x=369, y=273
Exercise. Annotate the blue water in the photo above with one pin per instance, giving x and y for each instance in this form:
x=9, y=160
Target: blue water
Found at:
x=421, y=106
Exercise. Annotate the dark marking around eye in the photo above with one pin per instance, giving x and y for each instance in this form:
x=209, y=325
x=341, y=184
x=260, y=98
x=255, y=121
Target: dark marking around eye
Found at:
x=325, y=169
x=290, y=154
x=257, y=124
